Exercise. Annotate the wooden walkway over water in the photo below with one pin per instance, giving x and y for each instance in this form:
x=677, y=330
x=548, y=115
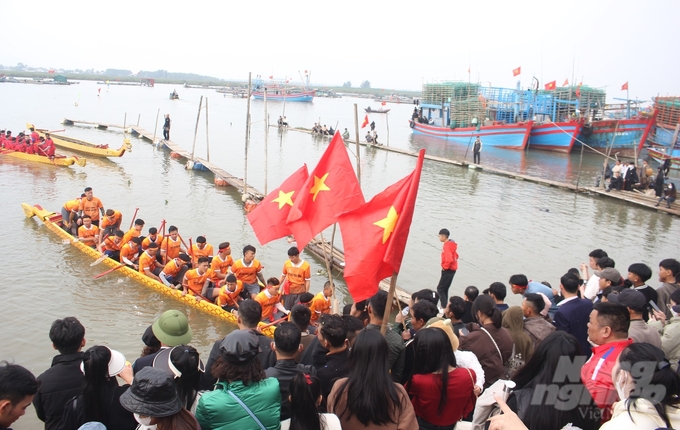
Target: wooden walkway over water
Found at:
x=630, y=197
x=99, y=125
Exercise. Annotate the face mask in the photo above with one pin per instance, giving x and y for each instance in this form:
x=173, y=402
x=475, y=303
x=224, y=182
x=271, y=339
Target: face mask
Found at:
x=145, y=421
x=675, y=314
x=620, y=383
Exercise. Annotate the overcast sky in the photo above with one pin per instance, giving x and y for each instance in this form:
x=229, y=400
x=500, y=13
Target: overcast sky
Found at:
x=393, y=44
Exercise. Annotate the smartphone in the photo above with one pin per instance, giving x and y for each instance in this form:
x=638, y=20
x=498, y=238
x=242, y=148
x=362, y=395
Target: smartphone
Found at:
x=404, y=311
x=653, y=305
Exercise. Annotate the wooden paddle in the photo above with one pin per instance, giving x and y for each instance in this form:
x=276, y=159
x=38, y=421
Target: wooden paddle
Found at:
x=132, y=221
x=278, y=321
x=99, y=260
x=109, y=271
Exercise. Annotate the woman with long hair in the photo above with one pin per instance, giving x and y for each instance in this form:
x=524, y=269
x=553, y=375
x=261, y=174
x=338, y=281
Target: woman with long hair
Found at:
x=368, y=398
x=491, y=343
x=153, y=400
x=649, y=390
x=538, y=373
x=99, y=398
x=244, y=398
x=441, y=393
x=305, y=398
x=184, y=363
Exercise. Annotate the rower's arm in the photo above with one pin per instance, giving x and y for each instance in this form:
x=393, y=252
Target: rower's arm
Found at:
x=260, y=276
x=164, y=280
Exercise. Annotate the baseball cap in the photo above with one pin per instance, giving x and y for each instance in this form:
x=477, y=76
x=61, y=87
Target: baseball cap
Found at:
x=629, y=298
x=609, y=273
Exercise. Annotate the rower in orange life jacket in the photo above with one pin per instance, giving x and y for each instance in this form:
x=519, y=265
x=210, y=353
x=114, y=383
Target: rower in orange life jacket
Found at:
x=270, y=300
x=110, y=223
x=201, y=249
x=88, y=232
x=135, y=231
x=112, y=244
x=197, y=282
x=171, y=245
x=129, y=253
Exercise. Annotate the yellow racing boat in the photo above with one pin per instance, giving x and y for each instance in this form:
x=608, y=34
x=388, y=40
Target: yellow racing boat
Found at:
x=77, y=145
x=58, y=160
x=52, y=221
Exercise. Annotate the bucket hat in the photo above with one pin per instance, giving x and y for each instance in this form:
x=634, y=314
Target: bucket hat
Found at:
x=152, y=394
x=172, y=328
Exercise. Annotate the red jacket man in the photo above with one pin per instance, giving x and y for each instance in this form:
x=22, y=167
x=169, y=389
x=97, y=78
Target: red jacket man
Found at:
x=449, y=266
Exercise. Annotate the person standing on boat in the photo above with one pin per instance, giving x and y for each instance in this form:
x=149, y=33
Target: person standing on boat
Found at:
x=295, y=278
x=166, y=127
x=91, y=206
x=449, y=266
x=345, y=134
x=476, y=151
x=372, y=125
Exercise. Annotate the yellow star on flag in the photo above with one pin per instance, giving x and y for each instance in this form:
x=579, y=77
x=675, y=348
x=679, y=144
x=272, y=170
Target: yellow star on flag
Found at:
x=284, y=199
x=388, y=223
x=319, y=185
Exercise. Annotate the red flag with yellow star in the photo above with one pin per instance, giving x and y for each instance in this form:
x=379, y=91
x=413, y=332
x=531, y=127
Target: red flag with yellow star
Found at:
x=331, y=189
x=375, y=234
x=268, y=219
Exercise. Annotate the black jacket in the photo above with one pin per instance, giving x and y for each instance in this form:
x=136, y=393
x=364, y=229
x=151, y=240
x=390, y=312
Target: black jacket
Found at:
x=58, y=384
x=266, y=356
x=285, y=371
x=115, y=416
x=337, y=366
x=145, y=361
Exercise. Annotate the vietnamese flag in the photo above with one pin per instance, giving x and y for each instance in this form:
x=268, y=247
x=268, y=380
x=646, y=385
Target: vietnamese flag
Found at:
x=624, y=86
x=365, y=123
x=516, y=71
x=551, y=85
x=566, y=82
x=375, y=234
x=268, y=219
x=331, y=189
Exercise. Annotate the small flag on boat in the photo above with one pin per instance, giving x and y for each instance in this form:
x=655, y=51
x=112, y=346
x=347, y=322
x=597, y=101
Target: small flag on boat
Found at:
x=624, y=86
x=383, y=103
x=578, y=92
x=365, y=123
x=516, y=71
x=551, y=85
x=375, y=234
x=566, y=82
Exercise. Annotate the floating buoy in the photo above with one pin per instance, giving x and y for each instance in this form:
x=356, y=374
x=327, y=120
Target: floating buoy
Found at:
x=220, y=182
x=175, y=155
x=249, y=205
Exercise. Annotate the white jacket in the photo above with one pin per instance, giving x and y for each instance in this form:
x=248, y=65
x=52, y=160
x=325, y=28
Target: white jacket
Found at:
x=644, y=417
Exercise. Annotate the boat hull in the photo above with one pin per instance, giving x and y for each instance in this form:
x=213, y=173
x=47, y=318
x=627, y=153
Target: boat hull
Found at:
x=377, y=111
x=56, y=161
x=306, y=96
x=80, y=146
x=661, y=156
x=510, y=136
x=624, y=135
x=558, y=137
x=666, y=137
x=51, y=220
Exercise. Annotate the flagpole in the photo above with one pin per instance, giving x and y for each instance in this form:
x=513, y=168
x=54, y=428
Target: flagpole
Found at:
x=388, y=307
x=330, y=274
x=356, y=131
x=245, y=173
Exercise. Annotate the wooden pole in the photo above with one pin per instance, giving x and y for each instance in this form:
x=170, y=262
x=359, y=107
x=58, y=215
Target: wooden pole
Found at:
x=138, y=117
x=387, y=121
x=356, y=131
x=606, y=157
x=125, y=121
x=207, y=138
x=245, y=174
x=580, y=161
x=156, y=126
x=198, y=117
x=330, y=274
x=388, y=307
x=266, y=143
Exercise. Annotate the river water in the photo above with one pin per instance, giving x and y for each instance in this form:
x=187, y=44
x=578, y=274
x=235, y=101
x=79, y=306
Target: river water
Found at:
x=503, y=226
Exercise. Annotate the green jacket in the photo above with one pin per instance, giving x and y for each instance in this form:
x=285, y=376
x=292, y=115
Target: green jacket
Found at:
x=218, y=410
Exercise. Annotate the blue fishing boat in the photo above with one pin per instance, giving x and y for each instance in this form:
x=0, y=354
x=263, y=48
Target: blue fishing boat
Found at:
x=623, y=136
x=559, y=137
x=510, y=136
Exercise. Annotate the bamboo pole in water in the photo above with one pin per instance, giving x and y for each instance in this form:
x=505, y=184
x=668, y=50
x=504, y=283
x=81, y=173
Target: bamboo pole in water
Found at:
x=207, y=138
x=356, y=131
x=198, y=117
x=245, y=174
x=156, y=126
x=387, y=121
x=266, y=134
x=138, y=118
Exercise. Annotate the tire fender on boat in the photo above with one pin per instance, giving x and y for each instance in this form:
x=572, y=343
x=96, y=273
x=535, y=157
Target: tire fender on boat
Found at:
x=411, y=123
